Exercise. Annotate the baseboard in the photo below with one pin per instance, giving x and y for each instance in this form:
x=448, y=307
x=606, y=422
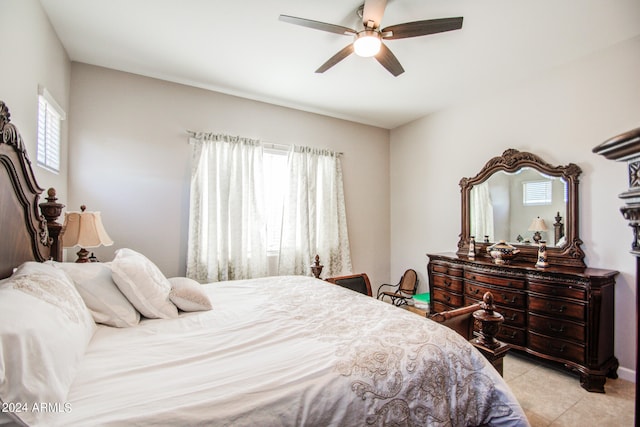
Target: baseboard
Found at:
x=627, y=374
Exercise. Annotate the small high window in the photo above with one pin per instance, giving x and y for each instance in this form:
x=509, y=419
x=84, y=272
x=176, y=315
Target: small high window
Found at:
x=49, y=117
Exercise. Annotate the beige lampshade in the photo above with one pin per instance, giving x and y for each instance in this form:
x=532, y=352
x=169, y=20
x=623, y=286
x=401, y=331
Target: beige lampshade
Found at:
x=538, y=224
x=84, y=229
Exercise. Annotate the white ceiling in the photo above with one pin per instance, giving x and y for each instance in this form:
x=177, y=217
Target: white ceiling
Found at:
x=241, y=48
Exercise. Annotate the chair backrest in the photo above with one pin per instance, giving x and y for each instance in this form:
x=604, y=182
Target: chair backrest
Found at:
x=355, y=282
x=409, y=282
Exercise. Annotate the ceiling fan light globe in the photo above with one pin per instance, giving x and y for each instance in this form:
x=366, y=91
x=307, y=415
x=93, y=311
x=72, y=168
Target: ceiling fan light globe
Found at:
x=367, y=43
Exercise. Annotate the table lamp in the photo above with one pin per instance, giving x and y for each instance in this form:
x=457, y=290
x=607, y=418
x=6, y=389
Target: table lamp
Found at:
x=84, y=229
x=537, y=225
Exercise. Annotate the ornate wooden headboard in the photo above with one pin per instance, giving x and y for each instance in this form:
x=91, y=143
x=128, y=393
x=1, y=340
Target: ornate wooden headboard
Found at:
x=24, y=230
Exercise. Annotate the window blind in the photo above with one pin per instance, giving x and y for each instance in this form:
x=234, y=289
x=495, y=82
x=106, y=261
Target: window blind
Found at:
x=49, y=117
x=537, y=193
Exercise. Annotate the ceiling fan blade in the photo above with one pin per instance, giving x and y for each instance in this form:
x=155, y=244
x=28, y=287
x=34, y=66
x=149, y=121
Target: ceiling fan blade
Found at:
x=373, y=11
x=316, y=25
x=421, y=28
x=389, y=61
x=346, y=51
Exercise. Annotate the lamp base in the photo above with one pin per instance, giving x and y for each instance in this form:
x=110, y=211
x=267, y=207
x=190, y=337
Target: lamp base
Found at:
x=83, y=255
x=537, y=237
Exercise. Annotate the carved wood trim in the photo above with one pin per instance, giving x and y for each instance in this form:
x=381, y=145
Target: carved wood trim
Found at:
x=21, y=221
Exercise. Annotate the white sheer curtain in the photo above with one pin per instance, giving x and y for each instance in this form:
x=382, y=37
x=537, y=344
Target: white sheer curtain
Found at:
x=314, y=217
x=481, y=212
x=227, y=232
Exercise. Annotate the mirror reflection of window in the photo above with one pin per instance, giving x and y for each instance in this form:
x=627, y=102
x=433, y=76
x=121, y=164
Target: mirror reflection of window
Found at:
x=512, y=208
x=536, y=193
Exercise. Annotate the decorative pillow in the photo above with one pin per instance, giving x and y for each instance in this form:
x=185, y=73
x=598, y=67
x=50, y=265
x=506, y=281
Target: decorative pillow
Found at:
x=188, y=295
x=144, y=285
x=101, y=295
x=45, y=328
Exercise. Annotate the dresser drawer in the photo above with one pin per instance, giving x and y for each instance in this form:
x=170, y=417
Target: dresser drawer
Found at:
x=453, y=284
x=500, y=296
x=448, y=298
x=556, y=328
x=511, y=316
x=555, y=347
x=557, y=307
x=494, y=280
x=558, y=290
x=512, y=335
x=446, y=269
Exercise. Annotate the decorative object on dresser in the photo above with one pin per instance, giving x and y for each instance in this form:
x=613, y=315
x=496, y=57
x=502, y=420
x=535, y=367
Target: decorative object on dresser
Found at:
x=543, y=261
x=626, y=148
x=84, y=229
x=502, y=252
x=472, y=247
x=564, y=312
x=404, y=290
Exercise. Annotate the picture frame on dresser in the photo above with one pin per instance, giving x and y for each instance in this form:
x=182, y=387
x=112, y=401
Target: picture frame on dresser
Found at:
x=563, y=313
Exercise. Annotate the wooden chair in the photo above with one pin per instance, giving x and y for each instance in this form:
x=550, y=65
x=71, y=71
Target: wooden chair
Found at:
x=355, y=282
x=404, y=290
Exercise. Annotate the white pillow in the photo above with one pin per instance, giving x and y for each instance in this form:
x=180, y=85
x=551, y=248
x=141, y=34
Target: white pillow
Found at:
x=101, y=295
x=45, y=328
x=188, y=295
x=144, y=285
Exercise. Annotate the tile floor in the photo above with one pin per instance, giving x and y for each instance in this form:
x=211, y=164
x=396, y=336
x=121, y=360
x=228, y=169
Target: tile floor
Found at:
x=553, y=397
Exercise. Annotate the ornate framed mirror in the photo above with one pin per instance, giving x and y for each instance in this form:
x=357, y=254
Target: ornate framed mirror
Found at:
x=521, y=199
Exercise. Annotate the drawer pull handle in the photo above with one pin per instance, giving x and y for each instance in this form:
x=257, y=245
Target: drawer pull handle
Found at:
x=476, y=291
x=561, y=309
x=447, y=297
x=447, y=283
x=553, y=329
x=472, y=277
x=558, y=349
x=506, y=299
x=513, y=317
x=512, y=335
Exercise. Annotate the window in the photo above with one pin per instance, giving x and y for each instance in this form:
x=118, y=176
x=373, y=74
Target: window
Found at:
x=275, y=183
x=536, y=193
x=49, y=116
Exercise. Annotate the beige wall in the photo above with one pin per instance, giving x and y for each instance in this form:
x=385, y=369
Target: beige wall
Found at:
x=33, y=55
x=560, y=116
x=130, y=159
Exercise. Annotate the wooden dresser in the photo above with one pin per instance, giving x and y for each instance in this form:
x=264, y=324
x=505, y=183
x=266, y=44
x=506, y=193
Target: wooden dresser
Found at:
x=560, y=313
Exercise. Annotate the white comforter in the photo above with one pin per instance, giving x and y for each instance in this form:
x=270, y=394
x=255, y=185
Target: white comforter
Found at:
x=287, y=351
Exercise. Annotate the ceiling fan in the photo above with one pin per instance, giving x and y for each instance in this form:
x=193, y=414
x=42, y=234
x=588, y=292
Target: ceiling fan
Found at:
x=368, y=42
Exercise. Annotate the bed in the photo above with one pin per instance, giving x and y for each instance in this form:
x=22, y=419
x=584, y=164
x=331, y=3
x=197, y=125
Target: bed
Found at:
x=117, y=343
